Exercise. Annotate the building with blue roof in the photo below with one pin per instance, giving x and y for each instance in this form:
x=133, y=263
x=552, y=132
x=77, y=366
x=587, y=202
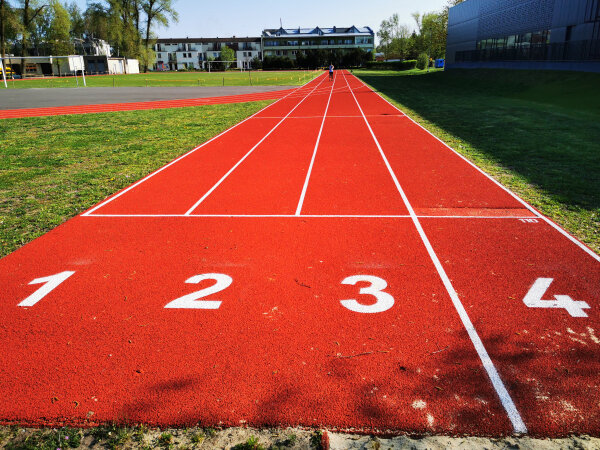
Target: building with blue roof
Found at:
x=288, y=42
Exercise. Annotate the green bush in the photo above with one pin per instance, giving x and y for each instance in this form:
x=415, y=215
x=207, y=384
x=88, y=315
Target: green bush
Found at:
x=408, y=64
x=422, y=61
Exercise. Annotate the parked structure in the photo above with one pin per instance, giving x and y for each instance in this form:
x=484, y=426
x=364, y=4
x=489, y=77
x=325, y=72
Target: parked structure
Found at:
x=287, y=42
x=524, y=34
x=193, y=53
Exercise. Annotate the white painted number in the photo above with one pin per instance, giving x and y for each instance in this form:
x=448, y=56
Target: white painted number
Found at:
x=533, y=299
x=384, y=300
x=190, y=301
x=51, y=283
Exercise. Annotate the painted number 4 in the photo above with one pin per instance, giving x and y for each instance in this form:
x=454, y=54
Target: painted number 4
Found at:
x=533, y=299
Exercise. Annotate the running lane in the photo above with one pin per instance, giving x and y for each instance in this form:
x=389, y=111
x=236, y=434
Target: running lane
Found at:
x=531, y=290
x=349, y=177
x=173, y=189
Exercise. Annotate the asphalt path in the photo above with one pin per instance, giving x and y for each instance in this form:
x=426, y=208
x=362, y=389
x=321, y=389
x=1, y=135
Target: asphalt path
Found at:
x=49, y=97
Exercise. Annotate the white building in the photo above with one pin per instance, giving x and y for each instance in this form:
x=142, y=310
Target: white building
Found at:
x=193, y=53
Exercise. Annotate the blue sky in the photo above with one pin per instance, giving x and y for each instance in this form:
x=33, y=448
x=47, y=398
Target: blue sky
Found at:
x=248, y=18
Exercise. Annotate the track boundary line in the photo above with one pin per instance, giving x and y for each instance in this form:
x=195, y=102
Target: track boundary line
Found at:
x=212, y=189
x=538, y=214
x=304, y=216
x=314, y=155
x=505, y=398
x=150, y=175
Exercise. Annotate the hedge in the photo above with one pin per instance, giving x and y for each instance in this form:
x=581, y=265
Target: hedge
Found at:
x=392, y=65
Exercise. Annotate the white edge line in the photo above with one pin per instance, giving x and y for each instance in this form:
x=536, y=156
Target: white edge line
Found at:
x=554, y=225
x=314, y=155
x=147, y=177
x=505, y=398
x=212, y=189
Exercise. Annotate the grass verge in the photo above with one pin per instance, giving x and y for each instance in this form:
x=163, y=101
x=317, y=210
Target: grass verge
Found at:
x=52, y=168
x=537, y=133
x=162, y=79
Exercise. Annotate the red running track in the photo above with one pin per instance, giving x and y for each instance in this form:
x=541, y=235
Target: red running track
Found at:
x=136, y=106
x=326, y=262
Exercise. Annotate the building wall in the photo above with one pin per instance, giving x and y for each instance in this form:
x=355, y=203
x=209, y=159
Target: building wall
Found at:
x=173, y=55
x=569, y=27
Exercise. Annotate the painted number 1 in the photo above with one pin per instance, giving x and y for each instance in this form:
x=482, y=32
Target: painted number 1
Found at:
x=384, y=300
x=51, y=283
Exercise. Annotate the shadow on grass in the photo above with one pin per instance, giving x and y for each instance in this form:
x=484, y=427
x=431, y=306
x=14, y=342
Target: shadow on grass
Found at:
x=542, y=127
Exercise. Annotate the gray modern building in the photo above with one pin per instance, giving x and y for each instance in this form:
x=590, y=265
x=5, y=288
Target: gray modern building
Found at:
x=524, y=34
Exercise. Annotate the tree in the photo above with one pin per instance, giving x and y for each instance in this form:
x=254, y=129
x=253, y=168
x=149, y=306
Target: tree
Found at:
x=30, y=10
x=77, y=20
x=58, y=35
x=157, y=11
x=394, y=38
x=227, y=54
x=96, y=19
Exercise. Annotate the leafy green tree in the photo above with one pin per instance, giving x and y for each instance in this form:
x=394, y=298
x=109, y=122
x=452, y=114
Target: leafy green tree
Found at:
x=227, y=54
x=77, y=20
x=59, y=31
x=96, y=18
x=157, y=11
x=30, y=11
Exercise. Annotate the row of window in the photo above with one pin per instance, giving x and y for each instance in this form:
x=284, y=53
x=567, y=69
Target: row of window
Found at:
x=352, y=41
x=515, y=40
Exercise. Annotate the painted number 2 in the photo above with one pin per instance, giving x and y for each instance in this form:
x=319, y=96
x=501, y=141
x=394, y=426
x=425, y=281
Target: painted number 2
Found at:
x=51, y=283
x=384, y=300
x=190, y=301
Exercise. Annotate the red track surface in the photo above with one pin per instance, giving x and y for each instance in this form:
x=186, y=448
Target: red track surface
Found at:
x=134, y=106
x=286, y=206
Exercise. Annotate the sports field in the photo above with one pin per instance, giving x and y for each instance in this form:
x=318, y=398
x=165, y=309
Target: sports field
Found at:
x=164, y=79
x=326, y=262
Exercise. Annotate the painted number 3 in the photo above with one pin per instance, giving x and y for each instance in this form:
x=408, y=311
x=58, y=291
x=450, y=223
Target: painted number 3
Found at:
x=384, y=300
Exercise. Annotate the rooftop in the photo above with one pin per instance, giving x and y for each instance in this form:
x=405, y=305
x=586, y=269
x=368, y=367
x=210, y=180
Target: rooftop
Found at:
x=318, y=31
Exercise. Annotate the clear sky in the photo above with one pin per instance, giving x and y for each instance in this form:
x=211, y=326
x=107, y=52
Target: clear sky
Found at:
x=224, y=18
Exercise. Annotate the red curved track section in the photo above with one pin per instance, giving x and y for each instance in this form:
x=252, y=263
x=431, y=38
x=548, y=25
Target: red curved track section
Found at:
x=135, y=106
x=326, y=262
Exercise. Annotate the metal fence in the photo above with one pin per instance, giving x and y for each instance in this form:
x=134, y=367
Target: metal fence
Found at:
x=561, y=51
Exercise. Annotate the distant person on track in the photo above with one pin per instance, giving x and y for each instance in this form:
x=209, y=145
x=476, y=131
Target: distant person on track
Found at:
x=331, y=71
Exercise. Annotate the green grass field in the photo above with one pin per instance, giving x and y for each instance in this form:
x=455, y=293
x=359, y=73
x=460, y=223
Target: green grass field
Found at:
x=162, y=79
x=536, y=132
x=52, y=168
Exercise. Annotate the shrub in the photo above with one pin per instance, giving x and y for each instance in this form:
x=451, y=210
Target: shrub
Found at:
x=422, y=61
x=392, y=65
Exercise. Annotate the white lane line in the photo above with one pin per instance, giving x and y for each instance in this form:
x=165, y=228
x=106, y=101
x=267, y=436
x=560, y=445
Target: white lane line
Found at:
x=147, y=177
x=538, y=214
x=314, y=155
x=505, y=398
x=333, y=117
x=303, y=216
x=211, y=190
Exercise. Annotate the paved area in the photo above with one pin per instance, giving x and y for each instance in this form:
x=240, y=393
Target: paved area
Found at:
x=49, y=97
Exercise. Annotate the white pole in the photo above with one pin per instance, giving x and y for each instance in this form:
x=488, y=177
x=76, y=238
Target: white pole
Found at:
x=3, y=73
x=83, y=75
